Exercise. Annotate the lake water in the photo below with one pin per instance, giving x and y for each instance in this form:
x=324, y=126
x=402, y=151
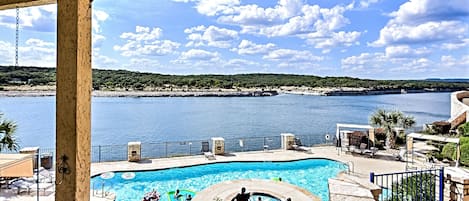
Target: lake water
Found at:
x=120, y=120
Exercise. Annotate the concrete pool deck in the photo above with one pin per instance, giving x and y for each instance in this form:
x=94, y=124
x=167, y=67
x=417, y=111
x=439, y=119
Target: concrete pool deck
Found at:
x=362, y=166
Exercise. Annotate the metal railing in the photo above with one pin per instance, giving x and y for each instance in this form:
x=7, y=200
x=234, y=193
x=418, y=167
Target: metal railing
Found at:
x=107, y=153
x=425, y=185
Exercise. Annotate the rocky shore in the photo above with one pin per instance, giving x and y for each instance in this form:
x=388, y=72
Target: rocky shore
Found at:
x=147, y=93
x=245, y=92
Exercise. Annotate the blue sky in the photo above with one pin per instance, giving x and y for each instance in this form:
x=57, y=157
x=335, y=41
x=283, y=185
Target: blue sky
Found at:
x=378, y=39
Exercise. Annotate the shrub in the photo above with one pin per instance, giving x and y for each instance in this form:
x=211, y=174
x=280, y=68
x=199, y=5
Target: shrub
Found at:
x=441, y=127
x=449, y=151
x=465, y=154
x=464, y=129
x=463, y=140
x=417, y=187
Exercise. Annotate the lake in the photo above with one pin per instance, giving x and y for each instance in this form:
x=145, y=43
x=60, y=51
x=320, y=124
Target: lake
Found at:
x=123, y=119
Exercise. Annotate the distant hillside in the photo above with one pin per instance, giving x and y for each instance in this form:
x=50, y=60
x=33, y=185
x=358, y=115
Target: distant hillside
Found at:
x=122, y=79
x=448, y=80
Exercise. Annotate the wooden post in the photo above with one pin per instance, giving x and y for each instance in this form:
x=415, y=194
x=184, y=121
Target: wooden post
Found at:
x=73, y=106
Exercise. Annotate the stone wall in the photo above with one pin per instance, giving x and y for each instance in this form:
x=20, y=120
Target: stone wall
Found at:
x=457, y=106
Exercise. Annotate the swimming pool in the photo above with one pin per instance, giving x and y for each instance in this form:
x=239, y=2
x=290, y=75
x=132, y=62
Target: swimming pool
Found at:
x=311, y=174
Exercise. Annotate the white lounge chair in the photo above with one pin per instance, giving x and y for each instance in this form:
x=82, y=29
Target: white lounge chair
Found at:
x=209, y=155
x=300, y=147
x=401, y=155
x=22, y=185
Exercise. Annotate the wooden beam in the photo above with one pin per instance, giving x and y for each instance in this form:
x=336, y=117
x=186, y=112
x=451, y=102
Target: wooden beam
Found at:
x=73, y=100
x=10, y=4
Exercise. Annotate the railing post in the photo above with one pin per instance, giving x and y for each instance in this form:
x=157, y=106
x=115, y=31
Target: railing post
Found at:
x=166, y=149
x=372, y=177
x=442, y=184
x=99, y=153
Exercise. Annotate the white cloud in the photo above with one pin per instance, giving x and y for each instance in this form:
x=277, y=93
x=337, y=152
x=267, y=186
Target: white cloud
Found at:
x=143, y=34
x=211, y=7
x=364, y=60
x=198, y=54
x=102, y=61
x=36, y=52
x=240, y=64
x=287, y=18
x=197, y=60
x=40, y=18
x=145, y=42
x=210, y=36
x=417, y=11
x=405, y=51
x=456, y=44
x=333, y=40
x=99, y=16
x=404, y=62
x=98, y=40
x=367, y=3
x=7, y=54
x=425, y=32
x=450, y=61
x=289, y=55
x=247, y=47
x=424, y=21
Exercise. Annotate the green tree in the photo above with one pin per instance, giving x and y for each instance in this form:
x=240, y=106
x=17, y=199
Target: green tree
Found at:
x=389, y=120
x=7, y=135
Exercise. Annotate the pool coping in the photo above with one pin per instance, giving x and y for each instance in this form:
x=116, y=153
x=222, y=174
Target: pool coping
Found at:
x=215, y=162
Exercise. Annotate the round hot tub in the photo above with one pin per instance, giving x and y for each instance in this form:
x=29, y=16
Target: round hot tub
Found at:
x=264, y=197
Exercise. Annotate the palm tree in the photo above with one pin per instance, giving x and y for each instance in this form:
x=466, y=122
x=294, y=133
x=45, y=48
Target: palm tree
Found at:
x=7, y=135
x=388, y=120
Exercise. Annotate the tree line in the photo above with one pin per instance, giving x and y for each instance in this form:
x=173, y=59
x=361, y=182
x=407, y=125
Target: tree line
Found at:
x=123, y=79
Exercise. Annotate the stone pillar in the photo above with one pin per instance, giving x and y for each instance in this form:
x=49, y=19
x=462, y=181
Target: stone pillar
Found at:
x=287, y=141
x=218, y=145
x=371, y=135
x=73, y=100
x=410, y=143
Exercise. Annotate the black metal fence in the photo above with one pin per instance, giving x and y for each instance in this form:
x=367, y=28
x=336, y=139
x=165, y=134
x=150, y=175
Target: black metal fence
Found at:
x=425, y=185
x=106, y=153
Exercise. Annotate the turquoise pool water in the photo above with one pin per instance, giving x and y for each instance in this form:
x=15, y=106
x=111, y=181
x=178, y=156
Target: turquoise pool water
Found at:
x=311, y=174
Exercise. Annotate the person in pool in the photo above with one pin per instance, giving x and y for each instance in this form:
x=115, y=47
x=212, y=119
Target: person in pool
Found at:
x=243, y=196
x=177, y=195
x=189, y=197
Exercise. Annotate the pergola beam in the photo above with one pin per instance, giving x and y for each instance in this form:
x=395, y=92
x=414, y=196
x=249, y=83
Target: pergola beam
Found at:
x=10, y=4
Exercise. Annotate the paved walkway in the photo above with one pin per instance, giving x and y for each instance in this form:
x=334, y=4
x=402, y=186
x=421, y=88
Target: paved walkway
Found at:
x=362, y=166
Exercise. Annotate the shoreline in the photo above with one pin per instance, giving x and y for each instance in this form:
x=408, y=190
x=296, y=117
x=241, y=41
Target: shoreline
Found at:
x=229, y=93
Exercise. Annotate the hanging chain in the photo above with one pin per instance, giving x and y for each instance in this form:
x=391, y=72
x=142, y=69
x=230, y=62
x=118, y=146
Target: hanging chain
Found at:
x=17, y=35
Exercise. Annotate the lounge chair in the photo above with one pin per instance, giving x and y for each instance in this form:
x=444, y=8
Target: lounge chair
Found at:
x=29, y=185
x=206, y=150
x=22, y=185
x=401, y=155
x=300, y=147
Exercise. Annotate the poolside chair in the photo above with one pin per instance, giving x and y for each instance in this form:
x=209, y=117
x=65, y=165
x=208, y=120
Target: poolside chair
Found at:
x=298, y=146
x=401, y=155
x=206, y=150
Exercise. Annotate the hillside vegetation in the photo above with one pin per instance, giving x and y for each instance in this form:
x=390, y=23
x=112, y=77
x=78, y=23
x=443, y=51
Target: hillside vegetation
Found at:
x=122, y=79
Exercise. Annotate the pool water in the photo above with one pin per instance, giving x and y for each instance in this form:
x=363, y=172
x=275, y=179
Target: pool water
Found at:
x=311, y=174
